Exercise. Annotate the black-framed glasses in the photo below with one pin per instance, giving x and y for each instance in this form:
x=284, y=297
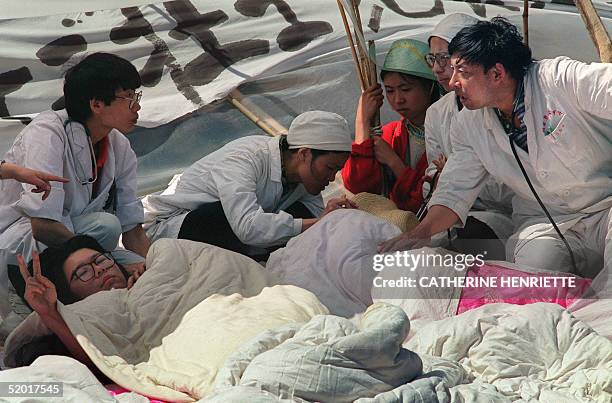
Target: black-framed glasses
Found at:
x=441, y=58
x=133, y=100
x=86, y=271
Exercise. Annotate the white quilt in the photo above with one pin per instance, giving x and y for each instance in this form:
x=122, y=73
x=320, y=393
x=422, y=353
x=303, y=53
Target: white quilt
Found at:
x=536, y=352
x=168, y=335
x=497, y=353
x=330, y=359
x=256, y=348
x=333, y=259
x=78, y=383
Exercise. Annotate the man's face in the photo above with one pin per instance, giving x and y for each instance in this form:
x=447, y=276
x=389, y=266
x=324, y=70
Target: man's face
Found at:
x=471, y=83
x=119, y=115
x=438, y=49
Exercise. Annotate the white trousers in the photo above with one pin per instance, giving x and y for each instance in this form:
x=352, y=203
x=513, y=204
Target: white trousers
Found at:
x=590, y=239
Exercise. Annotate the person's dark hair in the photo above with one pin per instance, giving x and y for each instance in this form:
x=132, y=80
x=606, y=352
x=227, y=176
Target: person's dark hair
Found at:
x=97, y=76
x=426, y=83
x=52, y=264
x=489, y=42
x=284, y=146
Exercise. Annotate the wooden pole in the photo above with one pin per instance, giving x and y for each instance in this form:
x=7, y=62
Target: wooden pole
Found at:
x=596, y=29
x=266, y=122
x=365, y=61
x=374, y=80
x=349, y=37
x=526, y=22
x=365, y=66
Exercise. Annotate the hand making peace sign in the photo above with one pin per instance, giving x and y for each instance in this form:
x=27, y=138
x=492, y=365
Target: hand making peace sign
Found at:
x=40, y=292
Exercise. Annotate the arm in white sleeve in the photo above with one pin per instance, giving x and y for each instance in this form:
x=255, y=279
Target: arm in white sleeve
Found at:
x=433, y=139
x=236, y=182
x=463, y=176
x=42, y=145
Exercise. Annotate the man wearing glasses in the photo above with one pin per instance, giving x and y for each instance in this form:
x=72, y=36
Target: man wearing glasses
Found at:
x=490, y=216
x=84, y=143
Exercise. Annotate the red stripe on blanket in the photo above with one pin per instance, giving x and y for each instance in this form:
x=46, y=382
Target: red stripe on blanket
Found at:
x=510, y=290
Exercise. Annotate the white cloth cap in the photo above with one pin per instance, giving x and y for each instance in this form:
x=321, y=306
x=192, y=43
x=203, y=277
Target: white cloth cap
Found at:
x=320, y=131
x=450, y=25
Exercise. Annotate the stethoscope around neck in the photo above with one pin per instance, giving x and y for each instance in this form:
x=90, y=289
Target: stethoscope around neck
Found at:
x=82, y=175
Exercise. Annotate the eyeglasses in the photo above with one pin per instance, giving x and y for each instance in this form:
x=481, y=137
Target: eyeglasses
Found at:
x=86, y=272
x=441, y=58
x=133, y=100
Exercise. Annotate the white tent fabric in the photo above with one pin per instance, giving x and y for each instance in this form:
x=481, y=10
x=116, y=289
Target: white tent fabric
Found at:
x=192, y=53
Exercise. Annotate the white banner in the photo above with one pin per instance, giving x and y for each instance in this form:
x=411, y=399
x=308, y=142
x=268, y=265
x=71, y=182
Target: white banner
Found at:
x=191, y=53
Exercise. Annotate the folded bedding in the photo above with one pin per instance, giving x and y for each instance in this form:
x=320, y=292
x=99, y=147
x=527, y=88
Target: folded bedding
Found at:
x=594, y=309
x=535, y=352
x=78, y=384
x=331, y=359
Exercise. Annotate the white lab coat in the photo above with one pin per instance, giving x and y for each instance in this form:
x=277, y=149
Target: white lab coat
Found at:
x=568, y=114
x=245, y=175
x=494, y=203
x=47, y=146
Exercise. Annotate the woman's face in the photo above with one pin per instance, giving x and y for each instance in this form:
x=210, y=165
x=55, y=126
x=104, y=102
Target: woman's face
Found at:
x=89, y=271
x=407, y=96
x=316, y=173
x=441, y=68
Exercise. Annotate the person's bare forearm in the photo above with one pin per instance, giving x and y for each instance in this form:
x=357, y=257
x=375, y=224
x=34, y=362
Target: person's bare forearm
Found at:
x=362, y=129
x=137, y=240
x=8, y=170
x=50, y=232
x=439, y=218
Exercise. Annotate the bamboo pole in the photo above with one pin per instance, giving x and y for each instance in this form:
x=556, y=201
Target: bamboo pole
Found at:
x=374, y=80
x=365, y=66
x=266, y=122
x=365, y=60
x=352, y=46
x=526, y=22
x=372, y=55
x=596, y=29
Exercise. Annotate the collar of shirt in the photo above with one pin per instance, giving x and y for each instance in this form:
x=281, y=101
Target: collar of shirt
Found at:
x=275, y=159
x=518, y=110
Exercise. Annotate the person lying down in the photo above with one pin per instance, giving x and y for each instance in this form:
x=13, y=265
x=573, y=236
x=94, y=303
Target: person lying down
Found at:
x=69, y=273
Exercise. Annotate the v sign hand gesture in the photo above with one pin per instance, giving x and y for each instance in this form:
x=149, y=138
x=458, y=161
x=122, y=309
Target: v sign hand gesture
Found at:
x=41, y=295
x=40, y=292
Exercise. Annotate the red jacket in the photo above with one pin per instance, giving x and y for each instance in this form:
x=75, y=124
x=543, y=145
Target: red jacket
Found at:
x=362, y=172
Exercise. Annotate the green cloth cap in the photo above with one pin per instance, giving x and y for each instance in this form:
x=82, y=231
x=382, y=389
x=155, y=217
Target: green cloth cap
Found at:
x=408, y=56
